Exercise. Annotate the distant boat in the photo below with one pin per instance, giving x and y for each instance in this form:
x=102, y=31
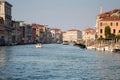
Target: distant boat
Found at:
x=38, y=45
x=90, y=47
x=65, y=43
x=58, y=42
x=81, y=45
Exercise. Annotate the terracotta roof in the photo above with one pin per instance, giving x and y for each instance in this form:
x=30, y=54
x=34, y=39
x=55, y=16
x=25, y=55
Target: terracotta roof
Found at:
x=63, y=32
x=55, y=29
x=37, y=25
x=89, y=30
x=27, y=24
x=110, y=15
x=73, y=30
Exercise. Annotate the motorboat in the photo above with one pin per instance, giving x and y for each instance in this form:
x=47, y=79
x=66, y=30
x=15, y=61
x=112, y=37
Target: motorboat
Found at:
x=38, y=45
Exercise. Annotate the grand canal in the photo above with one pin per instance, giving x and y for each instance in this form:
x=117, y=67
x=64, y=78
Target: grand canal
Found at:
x=57, y=62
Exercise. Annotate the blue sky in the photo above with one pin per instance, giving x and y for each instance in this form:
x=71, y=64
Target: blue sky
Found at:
x=63, y=14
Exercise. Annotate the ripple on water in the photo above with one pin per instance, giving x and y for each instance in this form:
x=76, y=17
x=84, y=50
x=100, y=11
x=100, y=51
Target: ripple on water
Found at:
x=57, y=62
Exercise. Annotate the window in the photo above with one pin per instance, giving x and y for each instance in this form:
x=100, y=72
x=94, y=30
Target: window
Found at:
x=114, y=30
x=2, y=37
x=100, y=23
x=116, y=23
x=119, y=31
x=100, y=30
x=111, y=24
x=0, y=22
x=101, y=36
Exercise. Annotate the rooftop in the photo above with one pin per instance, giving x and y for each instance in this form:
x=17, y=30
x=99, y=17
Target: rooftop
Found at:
x=73, y=30
x=89, y=30
x=110, y=15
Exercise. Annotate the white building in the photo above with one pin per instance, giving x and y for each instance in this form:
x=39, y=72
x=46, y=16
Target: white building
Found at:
x=72, y=35
x=56, y=35
x=5, y=13
x=88, y=34
x=53, y=35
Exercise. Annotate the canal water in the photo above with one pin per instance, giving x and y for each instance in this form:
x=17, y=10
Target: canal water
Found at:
x=57, y=62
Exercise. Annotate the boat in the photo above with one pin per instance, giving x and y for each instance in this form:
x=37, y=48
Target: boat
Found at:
x=58, y=42
x=116, y=49
x=81, y=45
x=38, y=45
x=90, y=47
x=65, y=43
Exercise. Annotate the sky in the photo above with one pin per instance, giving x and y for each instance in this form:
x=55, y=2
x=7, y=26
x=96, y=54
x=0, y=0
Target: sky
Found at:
x=63, y=14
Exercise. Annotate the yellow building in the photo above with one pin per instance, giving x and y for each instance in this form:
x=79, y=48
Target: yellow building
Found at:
x=111, y=19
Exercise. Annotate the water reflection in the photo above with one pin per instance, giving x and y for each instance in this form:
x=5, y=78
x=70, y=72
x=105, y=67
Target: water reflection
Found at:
x=57, y=62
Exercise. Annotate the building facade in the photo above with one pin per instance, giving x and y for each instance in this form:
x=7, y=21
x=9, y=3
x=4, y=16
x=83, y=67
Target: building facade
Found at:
x=41, y=33
x=2, y=32
x=15, y=32
x=5, y=13
x=56, y=35
x=26, y=33
x=111, y=19
x=88, y=34
x=72, y=35
x=53, y=33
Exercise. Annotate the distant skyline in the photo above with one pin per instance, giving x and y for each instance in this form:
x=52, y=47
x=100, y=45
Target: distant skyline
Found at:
x=63, y=14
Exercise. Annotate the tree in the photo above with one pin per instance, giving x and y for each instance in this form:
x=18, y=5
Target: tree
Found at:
x=117, y=37
x=112, y=36
x=107, y=32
